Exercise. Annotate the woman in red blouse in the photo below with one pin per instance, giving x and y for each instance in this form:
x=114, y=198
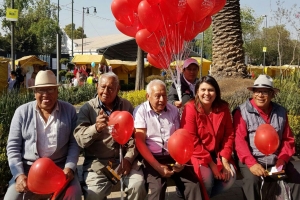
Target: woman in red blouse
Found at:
x=207, y=117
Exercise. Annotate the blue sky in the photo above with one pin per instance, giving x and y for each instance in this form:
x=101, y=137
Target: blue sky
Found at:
x=102, y=23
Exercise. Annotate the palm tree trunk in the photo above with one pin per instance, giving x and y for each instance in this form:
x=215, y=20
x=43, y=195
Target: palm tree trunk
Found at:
x=228, y=54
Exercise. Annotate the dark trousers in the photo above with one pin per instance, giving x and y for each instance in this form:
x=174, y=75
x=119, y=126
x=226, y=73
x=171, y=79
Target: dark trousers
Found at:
x=252, y=183
x=185, y=180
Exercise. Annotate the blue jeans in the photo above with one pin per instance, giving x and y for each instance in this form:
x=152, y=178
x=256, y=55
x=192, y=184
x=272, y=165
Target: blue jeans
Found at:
x=214, y=186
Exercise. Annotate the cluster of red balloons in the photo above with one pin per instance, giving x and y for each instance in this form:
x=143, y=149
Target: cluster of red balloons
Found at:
x=266, y=139
x=45, y=177
x=123, y=126
x=162, y=27
x=181, y=146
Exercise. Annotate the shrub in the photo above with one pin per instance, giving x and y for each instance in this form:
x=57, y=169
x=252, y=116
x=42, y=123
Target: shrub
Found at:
x=62, y=73
x=9, y=102
x=76, y=95
x=152, y=77
x=295, y=126
x=69, y=75
x=135, y=97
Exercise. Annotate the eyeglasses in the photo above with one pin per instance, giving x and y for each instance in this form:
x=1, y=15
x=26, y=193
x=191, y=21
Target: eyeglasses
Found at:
x=45, y=90
x=263, y=93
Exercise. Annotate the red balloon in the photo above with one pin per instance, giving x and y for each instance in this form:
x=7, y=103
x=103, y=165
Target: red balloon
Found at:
x=176, y=40
x=181, y=146
x=130, y=30
x=148, y=41
x=219, y=5
x=45, y=177
x=134, y=4
x=204, y=24
x=266, y=139
x=112, y=117
x=197, y=27
x=158, y=61
x=123, y=127
x=199, y=9
x=172, y=10
x=152, y=2
x=122, y=11
x=149, y=15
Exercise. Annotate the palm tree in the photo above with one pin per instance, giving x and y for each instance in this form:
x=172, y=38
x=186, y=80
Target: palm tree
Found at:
x=228, y=54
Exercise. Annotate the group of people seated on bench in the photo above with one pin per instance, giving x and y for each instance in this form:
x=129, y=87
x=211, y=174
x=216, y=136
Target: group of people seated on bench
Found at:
x=48, y=127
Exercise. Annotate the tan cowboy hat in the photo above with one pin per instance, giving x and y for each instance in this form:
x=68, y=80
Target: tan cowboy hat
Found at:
x=263, y=81
x=45, y=79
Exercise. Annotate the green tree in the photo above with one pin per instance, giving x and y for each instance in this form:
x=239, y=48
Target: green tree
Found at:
x=251, y=34
x=4, y=41
x=77, y=33
x=36, y=26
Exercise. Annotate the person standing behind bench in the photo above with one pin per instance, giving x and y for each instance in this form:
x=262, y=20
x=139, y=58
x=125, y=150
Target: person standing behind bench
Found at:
x=188, y=80
x=155, y=121
x=42, y=128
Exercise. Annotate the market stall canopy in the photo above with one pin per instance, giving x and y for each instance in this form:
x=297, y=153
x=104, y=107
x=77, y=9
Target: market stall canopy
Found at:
x=129, y=65
x=31, y=60
x=4, y=72
x=2, y=59
x=88, y=59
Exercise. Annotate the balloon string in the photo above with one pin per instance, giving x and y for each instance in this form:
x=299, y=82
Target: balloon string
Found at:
x=121, y=180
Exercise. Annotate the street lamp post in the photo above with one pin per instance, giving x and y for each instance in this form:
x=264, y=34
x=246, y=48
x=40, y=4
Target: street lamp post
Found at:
x=88, y=12
x=58, y=45
x=72, y=32
x=265, y=48
x=13, y=39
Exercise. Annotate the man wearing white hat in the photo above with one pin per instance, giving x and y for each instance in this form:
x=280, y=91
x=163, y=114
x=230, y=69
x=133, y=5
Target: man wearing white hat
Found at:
x=247, y=118
x=42, y=128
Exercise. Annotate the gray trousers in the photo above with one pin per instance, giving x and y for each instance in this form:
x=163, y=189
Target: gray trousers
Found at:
x=185, y=180
x=98, y=187
x=73, y=192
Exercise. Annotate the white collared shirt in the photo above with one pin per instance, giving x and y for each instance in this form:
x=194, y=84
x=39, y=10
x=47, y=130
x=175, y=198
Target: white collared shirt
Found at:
x=159, y=126
x=46, y=133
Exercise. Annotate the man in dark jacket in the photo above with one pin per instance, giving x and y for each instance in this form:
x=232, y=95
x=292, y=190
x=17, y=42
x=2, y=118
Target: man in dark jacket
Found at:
x=188, y=80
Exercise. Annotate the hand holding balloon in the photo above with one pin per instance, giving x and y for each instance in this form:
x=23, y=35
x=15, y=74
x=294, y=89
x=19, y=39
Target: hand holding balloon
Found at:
x=181, y=146
x=69, y=173
x=21, y=183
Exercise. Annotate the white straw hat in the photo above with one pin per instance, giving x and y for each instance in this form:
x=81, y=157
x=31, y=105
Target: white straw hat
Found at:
x=263, y=81
x=45, y=79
